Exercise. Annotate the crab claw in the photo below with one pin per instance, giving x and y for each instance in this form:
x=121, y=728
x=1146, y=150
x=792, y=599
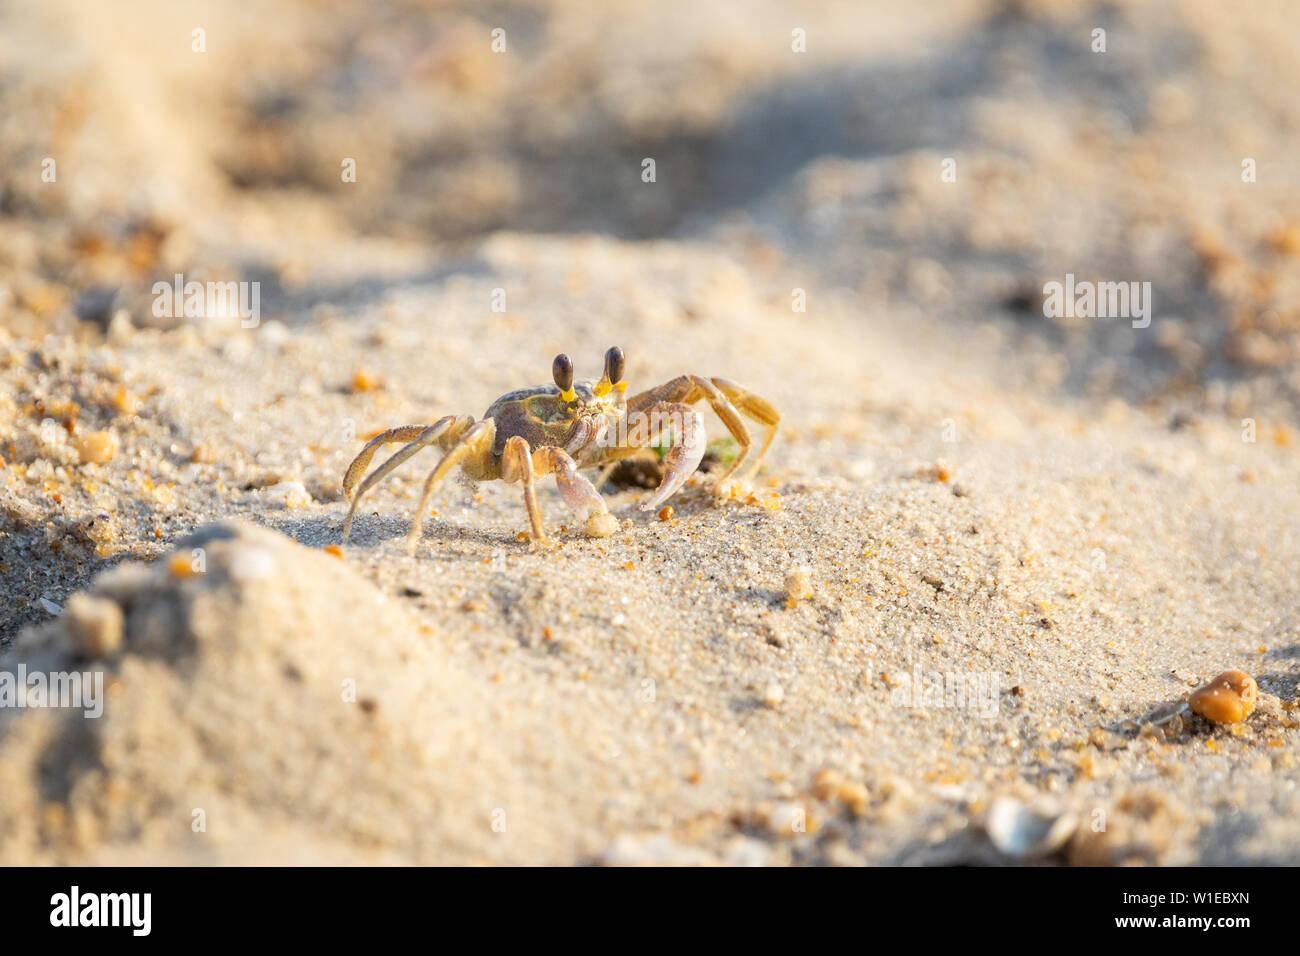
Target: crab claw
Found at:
x=582, y=498
x=682, y=460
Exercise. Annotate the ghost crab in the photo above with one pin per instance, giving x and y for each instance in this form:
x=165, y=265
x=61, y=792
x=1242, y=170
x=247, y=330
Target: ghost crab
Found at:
x=558, y=429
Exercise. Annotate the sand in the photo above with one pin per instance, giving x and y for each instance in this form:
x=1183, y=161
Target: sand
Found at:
x=1067, y=524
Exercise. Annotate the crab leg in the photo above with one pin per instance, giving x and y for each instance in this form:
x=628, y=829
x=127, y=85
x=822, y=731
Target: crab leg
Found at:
x=577, y=491
x=517, y=463
x=477, y=441
x=419, y=436
x=761, y=411
x=719, y=392
x=579, y=494
x=404, y=433
x=684, y=457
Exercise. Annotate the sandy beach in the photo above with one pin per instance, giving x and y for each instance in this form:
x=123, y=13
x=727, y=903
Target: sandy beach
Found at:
x=954, y=619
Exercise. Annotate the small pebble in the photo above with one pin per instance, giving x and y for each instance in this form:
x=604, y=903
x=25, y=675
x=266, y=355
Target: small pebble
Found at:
x=95, y=448
x=798, y=585
x=855, y=798
x=785, y=819
x=120, y=328
x=95, y=625
x=601, y=525
x=289, y=494
x=181, y=566
x=773, y=695
x=1227, y=699
x=126, y=402
x=826, y=783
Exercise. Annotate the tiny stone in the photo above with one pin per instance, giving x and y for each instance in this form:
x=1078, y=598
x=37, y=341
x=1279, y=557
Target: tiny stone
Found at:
x=773, y=695
x=601, y=525
x=798, y=584
x=95, y=447
x=826, y=783
x=120, y=328
x=1227, y=699
x=289, y=494
x=95, y=625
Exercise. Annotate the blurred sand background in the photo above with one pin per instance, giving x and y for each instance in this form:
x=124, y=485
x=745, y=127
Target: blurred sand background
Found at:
x=975, y=489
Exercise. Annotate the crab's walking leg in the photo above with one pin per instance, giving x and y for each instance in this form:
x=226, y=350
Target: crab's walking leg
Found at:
x=405, y=433
x=719, y=392
x=443, y=431
x=684, y=457
x=757, y=408
x=517, y=465
x=576, y=489
x=475, y=442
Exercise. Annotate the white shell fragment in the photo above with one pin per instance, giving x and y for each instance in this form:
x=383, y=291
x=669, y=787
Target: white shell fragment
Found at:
x=288, y=494
x=1025, y=833
x=773, y=694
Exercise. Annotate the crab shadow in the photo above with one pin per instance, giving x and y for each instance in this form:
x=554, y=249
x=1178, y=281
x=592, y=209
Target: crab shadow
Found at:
x=450, y=540
x=370, y=530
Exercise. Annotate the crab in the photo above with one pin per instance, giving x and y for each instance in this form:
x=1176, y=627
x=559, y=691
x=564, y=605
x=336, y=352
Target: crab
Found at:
x=561, y=428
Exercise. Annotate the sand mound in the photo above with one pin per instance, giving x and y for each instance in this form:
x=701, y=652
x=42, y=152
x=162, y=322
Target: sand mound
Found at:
x=256, y=681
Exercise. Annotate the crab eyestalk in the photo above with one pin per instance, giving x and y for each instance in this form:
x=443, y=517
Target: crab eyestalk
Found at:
x=562, y=370
x=615, y=364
